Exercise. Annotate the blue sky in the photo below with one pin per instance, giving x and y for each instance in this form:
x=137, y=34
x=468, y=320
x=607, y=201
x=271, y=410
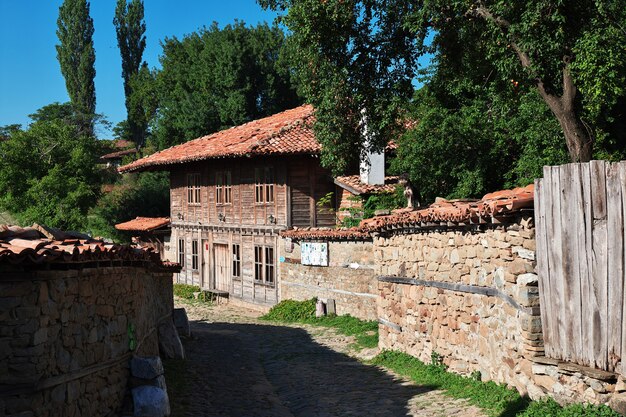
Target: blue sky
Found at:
x=30, y=76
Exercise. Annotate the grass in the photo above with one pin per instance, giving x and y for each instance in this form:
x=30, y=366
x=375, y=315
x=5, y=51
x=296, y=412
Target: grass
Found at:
x=290, y=311
x=497, y=400
x=185, y=291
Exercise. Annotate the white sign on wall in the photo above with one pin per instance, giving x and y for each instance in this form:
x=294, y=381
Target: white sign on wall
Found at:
x=314, y=253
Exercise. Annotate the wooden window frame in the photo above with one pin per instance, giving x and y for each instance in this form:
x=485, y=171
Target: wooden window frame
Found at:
x=193, y=189
x=194, y=255
x=264, y=185
x=223, y=188
x=181, y=252
x=236, y=260
x=264, y=265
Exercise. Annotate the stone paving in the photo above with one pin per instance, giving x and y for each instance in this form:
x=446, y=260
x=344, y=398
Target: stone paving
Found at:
x=241, y=367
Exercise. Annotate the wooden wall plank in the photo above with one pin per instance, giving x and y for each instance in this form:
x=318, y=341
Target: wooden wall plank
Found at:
x=585, y=251
x=561, y=348
x=622, y=181
x=543, y=265
x=571, y=196
x=615, y=256
x=599, y=262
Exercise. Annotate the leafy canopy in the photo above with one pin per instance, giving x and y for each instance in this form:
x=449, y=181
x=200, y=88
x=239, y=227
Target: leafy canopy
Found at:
x=218, y=78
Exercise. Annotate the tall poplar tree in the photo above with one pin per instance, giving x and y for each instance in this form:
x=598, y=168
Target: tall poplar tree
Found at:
x=130, y=28
x=77, y=58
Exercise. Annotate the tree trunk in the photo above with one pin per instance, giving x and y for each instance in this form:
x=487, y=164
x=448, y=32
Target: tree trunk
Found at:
x=579, y=142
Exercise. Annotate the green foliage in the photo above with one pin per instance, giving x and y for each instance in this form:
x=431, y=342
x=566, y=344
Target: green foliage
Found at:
x=291, y=311
x=145, y=194
x=185, y=291
x=488, y=59
x=130, y=29
x=385, y=201
x=497, y=400
x=552, y=409
x=218, y=78
x=77, y=58
x=60, y=187
x=482, y=145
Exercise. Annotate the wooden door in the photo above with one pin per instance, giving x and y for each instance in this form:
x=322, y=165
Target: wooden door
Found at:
x=221, y=272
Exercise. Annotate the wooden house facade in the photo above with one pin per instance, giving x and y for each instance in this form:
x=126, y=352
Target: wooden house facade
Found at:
x=232, y=192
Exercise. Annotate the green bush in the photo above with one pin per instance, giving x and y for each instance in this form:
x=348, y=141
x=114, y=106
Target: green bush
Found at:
x=552, y=409
x=185, y=291
x=292, y=311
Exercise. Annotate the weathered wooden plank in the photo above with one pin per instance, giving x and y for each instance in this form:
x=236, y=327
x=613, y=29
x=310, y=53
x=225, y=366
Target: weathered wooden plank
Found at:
x=599, y=297
x=543, y=265
x=615, y=256
x=553, y=230
x=571, y=196
x=622, y=181
x=585, y=264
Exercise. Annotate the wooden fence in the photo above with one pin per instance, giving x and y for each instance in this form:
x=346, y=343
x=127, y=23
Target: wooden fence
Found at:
x=579, y=213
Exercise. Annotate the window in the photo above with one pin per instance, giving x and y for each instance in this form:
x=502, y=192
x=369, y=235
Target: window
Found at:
x=264, y=185
x=181, y=252
x=193, y=188
x=236, y=261
x=223, y=187
x=194, y=255
x=264, y=264
x=269, y=265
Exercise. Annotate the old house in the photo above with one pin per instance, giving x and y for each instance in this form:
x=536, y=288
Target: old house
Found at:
x=233, y=191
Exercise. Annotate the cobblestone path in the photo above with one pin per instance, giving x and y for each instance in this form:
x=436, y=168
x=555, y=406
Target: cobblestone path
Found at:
x=238, y=366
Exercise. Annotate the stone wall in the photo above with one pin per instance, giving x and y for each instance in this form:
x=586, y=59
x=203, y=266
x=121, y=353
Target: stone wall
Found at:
x=349, y=278
x=66, y=337
x=471, y=295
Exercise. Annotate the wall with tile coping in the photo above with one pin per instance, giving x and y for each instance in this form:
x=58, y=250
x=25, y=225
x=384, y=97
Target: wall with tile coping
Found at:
x=65, y=339
x=471, y=295
x=349, y=278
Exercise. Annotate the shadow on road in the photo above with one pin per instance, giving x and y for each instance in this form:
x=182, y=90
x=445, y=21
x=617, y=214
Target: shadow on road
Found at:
x=253, y=370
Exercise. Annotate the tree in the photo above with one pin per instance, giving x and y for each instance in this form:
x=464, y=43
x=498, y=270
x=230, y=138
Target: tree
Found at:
x=570, y=52
x=77, y=58
x=218, y=78
x=61, y=186
x=130, y=29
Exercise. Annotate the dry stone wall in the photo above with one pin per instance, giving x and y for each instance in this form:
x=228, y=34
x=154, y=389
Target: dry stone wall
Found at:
x=66, y=337
x=349, y=279
x=471, y=295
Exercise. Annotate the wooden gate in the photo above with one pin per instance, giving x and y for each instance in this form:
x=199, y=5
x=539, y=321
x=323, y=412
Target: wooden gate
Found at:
x=221, y=272
x=579, y=214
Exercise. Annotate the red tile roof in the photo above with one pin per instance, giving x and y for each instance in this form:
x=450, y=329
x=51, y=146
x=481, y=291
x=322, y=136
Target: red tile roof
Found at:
x=144, y=224
x=353, y=184
x=119, y=154
x=498, y=204
x=308, y=233
x=41, y=245
x=289, y=132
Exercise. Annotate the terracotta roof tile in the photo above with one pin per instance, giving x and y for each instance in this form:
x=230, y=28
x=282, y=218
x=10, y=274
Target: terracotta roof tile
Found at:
x=353, y=184
x=42, y=245
x=119, y=154
x=288, y=132
x=144, y=224
x=498, y=204
x=326, y=233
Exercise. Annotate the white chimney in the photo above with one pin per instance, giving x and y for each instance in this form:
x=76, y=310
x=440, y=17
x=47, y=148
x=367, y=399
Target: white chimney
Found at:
x=372, y=166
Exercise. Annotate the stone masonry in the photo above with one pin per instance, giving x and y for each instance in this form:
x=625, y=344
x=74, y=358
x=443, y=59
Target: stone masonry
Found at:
x=66, y=337
x=471, y=295
x=349, y=278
